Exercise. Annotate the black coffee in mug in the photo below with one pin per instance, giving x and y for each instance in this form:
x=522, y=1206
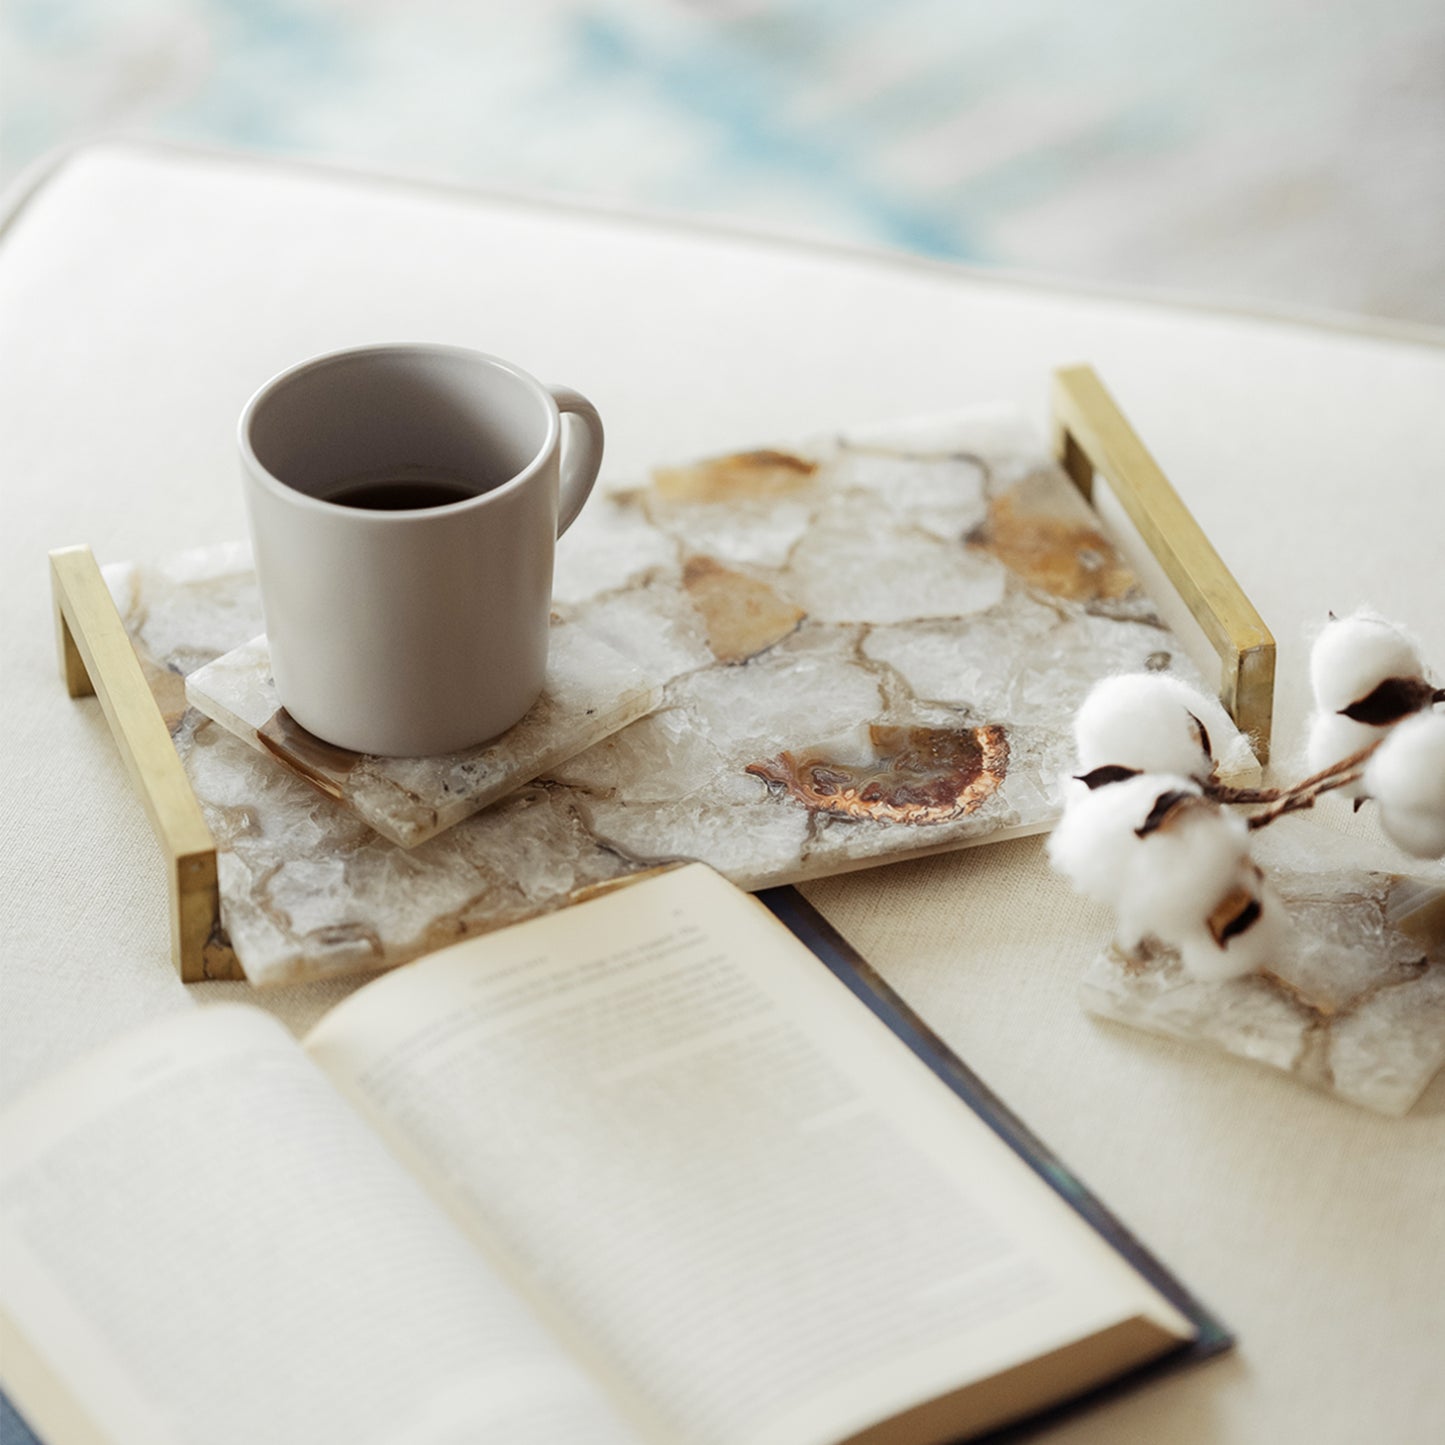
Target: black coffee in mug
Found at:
x=404, y=492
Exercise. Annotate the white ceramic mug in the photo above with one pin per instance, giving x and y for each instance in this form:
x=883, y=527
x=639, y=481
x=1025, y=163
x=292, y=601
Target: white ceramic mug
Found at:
x=405, y=504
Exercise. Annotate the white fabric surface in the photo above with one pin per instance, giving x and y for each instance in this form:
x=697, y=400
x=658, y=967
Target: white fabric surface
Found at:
x=144, y=294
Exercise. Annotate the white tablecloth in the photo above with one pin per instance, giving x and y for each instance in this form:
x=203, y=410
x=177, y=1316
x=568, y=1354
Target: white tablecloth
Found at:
x=145, y=293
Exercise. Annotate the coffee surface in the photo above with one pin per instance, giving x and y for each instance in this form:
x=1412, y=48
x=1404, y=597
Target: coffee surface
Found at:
x=402, y=494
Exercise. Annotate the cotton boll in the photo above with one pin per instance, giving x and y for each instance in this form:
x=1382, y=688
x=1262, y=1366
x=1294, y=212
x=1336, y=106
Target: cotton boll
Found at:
x=1353, y=655
x=1421, y=835
x=1174, y=866
x=1213, y=960
x=1406, y=777
x=1408, y=769
x=1233, y=750
x=1094, y=842
x=1332, y=738
x=1229, y=747
x=1180, y=872
x=1150, y=722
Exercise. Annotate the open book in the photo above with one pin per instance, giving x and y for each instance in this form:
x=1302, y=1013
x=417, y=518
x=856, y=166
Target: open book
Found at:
x=642, y=1170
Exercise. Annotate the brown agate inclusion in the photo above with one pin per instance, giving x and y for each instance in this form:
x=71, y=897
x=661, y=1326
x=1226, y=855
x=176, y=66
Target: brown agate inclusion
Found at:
x=1063, y=557
x=742, y=615
x=922, y=775
x=168, y=687
x=761, y=474
x=322, y=764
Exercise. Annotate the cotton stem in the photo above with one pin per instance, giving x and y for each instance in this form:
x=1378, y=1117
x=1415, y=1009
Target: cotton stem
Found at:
x=1296, y=798
x=1223, y=793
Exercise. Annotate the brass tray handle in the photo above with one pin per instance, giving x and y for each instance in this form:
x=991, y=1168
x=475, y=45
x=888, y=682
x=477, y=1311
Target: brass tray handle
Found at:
x=1092, y=435
x=96, y=657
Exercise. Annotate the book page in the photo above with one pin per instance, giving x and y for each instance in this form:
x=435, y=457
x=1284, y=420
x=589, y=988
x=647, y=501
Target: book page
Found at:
x=202, y=1241
x=772, y=1218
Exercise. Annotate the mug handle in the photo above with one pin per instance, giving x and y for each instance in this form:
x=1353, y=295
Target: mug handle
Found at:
x=581, y=454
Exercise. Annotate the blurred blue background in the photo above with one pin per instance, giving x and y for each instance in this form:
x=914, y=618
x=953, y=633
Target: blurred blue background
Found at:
x=1270, y=151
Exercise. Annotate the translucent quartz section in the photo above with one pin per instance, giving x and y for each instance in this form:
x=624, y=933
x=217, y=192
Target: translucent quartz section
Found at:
x=1355, y=1004
x=590, y=692
x=187, y=609
x=858, y=563
x=865, y=649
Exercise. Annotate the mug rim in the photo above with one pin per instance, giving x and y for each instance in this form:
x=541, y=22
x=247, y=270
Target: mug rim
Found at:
x=266, y=478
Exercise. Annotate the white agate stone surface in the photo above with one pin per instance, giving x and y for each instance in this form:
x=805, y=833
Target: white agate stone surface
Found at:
x=859, y=651
x=856, y=565
x=610, y=546
x=747, y=531
x=942, y=493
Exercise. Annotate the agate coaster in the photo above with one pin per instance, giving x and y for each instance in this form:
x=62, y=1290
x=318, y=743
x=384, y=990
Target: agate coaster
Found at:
x=591, y=691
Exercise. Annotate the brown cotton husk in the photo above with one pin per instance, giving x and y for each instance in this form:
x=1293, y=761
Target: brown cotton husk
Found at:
x=1393, y=699
x=1169, y=809
x=1102, y=777
x=1234, y=914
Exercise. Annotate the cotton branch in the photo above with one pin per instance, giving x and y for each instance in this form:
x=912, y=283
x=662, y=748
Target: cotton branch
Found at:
x=1150, y=831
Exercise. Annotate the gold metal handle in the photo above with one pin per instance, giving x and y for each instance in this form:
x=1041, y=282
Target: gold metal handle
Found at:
x=96, y=657
x=1092, y=435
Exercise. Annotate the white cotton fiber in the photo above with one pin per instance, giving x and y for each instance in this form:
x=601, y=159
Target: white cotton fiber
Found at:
x=1353, y=655
x=1258, y=945
x=1333, y=738
x=1094, y=843
x=1180, y=872
x=1169, y=882
x=1180, y=875
x=1151, y=722
x=1233, y=751
x=1406, y=777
